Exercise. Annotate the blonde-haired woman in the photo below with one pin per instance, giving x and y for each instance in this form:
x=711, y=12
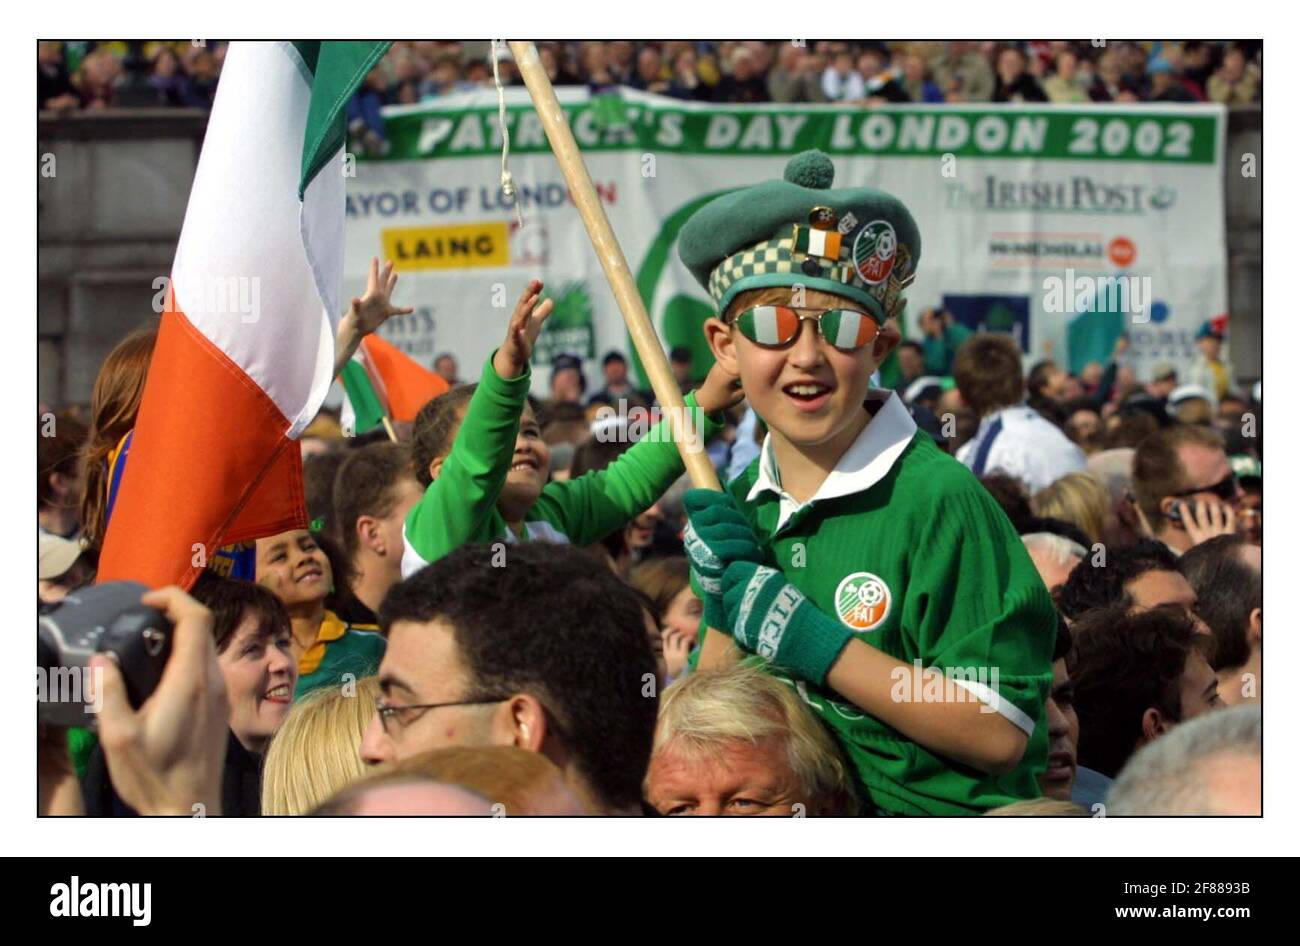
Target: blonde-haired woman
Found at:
x=318, y=749
x=1080, y=499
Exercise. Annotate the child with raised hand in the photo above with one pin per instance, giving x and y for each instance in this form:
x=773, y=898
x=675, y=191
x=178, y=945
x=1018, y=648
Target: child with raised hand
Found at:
x=866, y=566
x=479, y=452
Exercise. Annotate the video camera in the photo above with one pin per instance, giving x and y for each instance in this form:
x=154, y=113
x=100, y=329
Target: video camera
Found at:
x=104, y=619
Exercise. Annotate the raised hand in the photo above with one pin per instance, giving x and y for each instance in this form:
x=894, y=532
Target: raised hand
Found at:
x=367, y=313
x=376, y=307
x=511, y=359
x=720, y=390
x=1205, y=520
x=677, y=647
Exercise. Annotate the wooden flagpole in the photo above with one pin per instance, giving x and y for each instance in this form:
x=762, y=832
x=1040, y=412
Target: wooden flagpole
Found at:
x=719, y=649
x=614, y=262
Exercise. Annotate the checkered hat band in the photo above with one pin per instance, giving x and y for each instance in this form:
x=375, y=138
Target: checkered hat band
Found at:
x=773, y=256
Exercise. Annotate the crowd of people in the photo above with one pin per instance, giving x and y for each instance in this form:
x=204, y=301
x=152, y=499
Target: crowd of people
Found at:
x=937, y=581
x=86, y=75
x=90, y=75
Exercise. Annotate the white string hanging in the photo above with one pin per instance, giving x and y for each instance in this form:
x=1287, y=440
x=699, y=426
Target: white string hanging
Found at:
x=507, y=179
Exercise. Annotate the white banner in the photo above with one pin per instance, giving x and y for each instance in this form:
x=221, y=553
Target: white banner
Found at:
x=1066, y=225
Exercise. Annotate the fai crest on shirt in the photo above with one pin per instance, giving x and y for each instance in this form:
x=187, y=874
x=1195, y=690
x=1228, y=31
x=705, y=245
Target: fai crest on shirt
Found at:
x=862, y=601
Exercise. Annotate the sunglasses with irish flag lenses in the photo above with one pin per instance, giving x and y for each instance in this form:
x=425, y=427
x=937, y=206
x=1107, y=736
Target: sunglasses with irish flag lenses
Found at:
x=775, y=326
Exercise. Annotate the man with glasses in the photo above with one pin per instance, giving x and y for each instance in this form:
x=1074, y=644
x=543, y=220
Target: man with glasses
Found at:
x=1184, y=486
x=532, y=645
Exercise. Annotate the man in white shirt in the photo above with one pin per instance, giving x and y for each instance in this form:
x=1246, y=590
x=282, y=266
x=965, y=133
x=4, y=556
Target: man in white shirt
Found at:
x=841, y=82
x=1012, y=437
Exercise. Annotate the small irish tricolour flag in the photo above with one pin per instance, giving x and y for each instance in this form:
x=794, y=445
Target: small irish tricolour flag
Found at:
x=814, y=242
x=245, y=350
x=382, y=381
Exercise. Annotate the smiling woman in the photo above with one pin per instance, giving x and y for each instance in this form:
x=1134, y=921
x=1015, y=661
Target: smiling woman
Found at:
x=328, y=651
x=253, y=651
x=251, y=630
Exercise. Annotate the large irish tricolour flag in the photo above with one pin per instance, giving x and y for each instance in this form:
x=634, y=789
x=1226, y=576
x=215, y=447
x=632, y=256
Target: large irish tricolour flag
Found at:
x=245, y=347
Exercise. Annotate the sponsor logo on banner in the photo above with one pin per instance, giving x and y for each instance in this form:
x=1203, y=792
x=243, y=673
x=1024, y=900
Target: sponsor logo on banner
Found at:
x=461, y=246
x=1010, y=249
x=529, y=246
x=1122, y=252
x=1079, y=193
x=862, y=601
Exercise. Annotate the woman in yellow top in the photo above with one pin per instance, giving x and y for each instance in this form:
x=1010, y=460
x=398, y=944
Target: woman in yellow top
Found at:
x=329, y=651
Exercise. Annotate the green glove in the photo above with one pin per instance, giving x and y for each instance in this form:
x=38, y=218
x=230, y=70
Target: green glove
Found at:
x=770, y=617
x=716, y=534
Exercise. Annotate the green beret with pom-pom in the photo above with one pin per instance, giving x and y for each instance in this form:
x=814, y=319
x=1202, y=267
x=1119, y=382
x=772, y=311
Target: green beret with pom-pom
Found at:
x=856, y=242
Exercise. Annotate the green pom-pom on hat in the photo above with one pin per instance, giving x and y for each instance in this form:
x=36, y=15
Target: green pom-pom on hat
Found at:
x=811, y=169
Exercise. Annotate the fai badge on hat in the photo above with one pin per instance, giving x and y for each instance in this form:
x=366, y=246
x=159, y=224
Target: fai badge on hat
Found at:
x=874, y=251
x=862, y=601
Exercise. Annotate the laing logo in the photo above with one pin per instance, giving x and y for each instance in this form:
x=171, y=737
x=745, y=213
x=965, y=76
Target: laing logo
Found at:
x=75, y=899
x=453, y=247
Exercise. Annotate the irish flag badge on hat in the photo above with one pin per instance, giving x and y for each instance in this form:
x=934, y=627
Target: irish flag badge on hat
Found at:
x=821, y=243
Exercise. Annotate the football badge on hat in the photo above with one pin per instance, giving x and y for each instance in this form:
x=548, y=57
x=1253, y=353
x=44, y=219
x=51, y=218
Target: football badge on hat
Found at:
x=823, y=218
x=874, y=250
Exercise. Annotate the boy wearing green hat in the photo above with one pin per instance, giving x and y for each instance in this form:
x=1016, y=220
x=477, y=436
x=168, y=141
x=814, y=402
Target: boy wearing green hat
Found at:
x=862, y=563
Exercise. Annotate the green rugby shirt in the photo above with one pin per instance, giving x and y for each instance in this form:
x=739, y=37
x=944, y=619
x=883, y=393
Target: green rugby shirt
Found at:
x=340, y=649
x=460, y=506
x=904, y=545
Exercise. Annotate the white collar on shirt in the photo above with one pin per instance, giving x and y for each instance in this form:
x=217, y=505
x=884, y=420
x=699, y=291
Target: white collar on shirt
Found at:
x=1011, y=410
x=864, y=464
